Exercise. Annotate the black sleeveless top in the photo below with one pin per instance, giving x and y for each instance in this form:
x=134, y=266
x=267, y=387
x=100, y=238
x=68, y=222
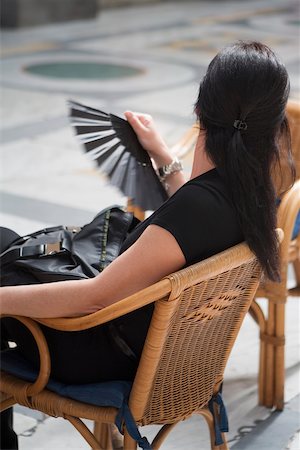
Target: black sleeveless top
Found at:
x=203, y=220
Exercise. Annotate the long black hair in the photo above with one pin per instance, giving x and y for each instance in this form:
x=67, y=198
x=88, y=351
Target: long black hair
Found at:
x=241, y=104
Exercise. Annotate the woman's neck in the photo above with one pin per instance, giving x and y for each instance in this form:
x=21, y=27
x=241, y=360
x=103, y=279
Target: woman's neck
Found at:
x=201, y=162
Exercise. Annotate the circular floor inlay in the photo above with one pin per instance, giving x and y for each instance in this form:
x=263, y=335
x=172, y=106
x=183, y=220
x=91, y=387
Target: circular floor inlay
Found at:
x=294, y=22
x=82, y=70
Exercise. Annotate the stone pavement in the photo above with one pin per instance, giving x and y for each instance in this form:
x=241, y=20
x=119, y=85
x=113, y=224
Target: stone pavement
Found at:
x=46, y=179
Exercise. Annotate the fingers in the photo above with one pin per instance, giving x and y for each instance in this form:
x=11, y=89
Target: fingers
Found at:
x=135, y=122
x=142, y=116
x=138, y=121
x=146, y=119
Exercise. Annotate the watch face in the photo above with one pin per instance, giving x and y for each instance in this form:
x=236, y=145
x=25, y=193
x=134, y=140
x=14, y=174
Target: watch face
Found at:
x=166, y=170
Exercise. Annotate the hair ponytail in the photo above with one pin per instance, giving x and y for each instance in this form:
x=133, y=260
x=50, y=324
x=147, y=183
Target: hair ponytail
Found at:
x=241, y=104
x=253, y=195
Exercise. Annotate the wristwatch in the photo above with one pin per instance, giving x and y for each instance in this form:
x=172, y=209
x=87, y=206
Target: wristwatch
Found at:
x=168, y=169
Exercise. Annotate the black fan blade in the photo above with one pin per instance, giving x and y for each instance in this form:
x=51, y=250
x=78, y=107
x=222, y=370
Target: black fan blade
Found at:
x=125, y=133
x=77, y=110
x=104, y=152
x=120, y=171
x=148, y=198
x=112, y=143
x=108, y=166
x=128, y=185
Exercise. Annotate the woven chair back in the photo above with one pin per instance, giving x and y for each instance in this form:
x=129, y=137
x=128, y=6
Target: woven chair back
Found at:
x=191, y=335
x=281, y=173
x=293, y=113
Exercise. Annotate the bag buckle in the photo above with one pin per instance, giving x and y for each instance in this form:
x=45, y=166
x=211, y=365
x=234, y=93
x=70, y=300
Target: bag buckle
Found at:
x=39, y=250
x=50, y=249
x=73, y=229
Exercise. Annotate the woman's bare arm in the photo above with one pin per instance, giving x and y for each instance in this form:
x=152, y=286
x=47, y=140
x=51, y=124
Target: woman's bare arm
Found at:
x=155, y=254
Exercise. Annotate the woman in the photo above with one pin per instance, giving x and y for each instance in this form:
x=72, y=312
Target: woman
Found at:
x=230, y=197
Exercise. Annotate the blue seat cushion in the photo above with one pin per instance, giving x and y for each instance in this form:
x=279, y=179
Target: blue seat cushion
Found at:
x=110, y=393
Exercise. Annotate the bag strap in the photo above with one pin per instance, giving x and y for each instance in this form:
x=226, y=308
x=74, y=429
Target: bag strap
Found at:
x=43, y=230
x=124, y=416
x=44, y=247
x=219, y=416
x=120, y=342
x=16, y=252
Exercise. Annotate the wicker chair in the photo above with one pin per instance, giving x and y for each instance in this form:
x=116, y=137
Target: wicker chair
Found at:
x=272, y=324
x=198, y=313
x=293, y=113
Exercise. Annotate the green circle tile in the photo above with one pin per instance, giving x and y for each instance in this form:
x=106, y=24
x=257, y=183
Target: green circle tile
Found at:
x=82, y=70
x=294, y=22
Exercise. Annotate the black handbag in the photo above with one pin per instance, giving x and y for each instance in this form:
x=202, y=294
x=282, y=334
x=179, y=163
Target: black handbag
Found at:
x=67, y=253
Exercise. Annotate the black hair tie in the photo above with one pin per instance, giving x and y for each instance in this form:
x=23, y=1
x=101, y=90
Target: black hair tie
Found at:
x=240, y=125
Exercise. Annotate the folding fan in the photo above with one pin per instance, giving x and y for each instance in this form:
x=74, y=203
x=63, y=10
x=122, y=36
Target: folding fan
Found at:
x=112, y=143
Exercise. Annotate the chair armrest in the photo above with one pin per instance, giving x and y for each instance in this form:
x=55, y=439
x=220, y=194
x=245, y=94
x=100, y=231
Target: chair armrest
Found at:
x=142, y=298
x=169, y=288
x=44, y=355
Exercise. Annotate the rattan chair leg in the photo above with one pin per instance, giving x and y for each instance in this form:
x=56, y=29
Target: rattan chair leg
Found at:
x=161, y=435
x=296, y=265
x=102, y=432
x=205, y=412
x=223, y=446
x=258, y=315
x=129, y=443
x=85, y=432
x=279, y=379
x=269, y=360
x=262, y=380
x=279, y=366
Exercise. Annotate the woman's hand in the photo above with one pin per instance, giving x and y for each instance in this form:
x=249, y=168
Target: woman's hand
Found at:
x=154, y=144
x=149, y=137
